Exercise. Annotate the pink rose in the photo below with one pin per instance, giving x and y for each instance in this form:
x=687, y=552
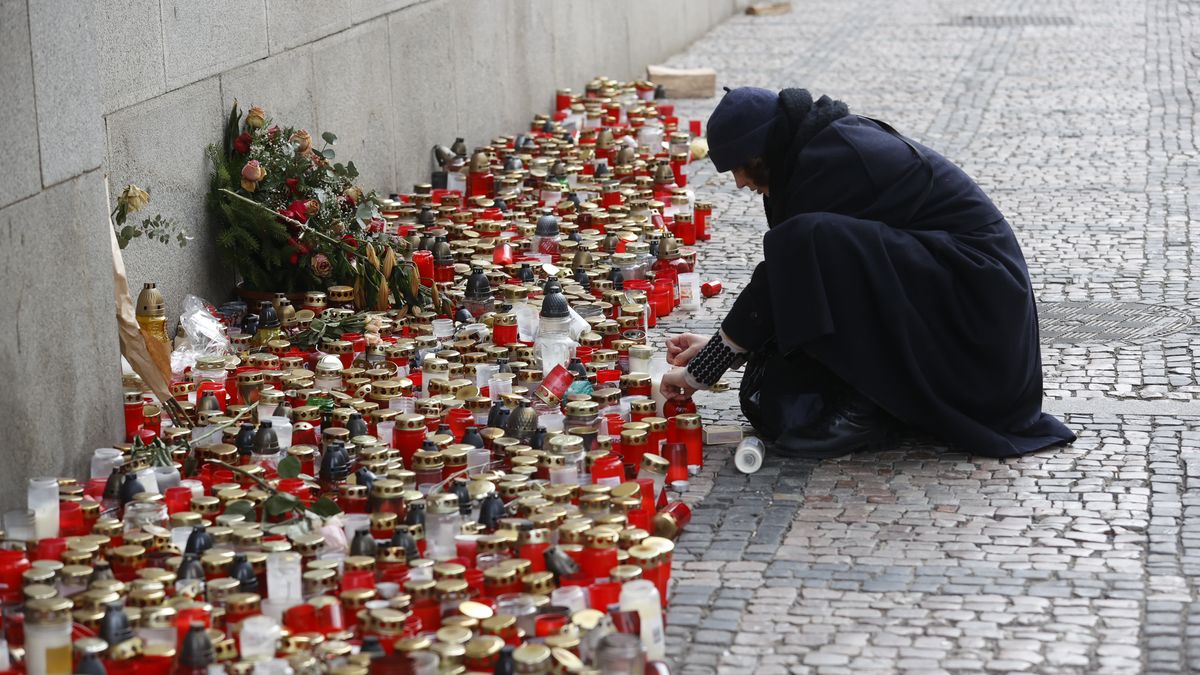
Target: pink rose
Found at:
x=251, y=174
x=253, y=171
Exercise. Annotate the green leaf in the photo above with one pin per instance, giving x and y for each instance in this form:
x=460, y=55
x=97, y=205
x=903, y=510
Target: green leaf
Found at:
x=231, y=128
x=329, y=137
x=328, y=153
x=325, y=507
x=289, y=467
x=364, y=212
x=243, y=507
x=279, y=504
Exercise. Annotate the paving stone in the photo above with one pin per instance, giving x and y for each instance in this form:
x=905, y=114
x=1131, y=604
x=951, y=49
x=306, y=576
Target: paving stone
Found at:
x=923, y=558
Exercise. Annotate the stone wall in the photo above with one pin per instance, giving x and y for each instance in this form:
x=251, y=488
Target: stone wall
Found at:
x=59, y=360
x=101, y=94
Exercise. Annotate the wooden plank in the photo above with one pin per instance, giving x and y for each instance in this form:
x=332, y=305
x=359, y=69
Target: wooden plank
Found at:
x=769, y=9
x=684, y=82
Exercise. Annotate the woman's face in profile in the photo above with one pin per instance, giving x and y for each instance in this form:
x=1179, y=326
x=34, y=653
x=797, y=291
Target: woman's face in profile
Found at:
x=743, y=179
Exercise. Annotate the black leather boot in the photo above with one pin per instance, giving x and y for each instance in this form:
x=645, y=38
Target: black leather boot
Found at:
x=855, y=424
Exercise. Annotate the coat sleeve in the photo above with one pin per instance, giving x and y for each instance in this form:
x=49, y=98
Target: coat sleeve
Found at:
x=749, y=322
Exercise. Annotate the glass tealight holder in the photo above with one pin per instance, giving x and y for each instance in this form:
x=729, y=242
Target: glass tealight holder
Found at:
x=104, y=460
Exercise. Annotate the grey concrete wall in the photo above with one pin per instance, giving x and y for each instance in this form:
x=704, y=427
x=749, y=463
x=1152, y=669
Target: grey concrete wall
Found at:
x=101, y=93
x=389, y=77
x=59, y=361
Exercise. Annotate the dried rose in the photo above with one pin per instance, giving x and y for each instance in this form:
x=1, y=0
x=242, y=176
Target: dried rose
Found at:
x=311, y=207
x=320, y=265
x=354, y=194
x=256, y=117
x=133, y=198
x=303, y=141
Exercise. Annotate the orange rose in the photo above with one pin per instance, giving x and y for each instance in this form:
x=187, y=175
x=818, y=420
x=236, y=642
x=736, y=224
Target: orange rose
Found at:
x=256, y=117
x=303, y=141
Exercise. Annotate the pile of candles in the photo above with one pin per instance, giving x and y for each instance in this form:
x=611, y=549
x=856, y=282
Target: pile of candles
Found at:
x=491, y=488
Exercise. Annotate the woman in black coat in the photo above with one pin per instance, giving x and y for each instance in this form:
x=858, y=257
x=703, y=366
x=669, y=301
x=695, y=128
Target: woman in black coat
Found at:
x=892, y=290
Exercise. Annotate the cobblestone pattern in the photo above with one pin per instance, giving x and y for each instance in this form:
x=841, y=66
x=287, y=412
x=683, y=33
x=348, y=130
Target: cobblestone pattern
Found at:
x=1076, y=560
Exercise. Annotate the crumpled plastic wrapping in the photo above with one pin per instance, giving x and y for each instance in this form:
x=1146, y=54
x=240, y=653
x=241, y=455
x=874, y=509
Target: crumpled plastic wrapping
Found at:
x=203, y=335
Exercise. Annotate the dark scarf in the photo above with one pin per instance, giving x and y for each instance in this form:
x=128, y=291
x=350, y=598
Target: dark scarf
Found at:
x=800, y=119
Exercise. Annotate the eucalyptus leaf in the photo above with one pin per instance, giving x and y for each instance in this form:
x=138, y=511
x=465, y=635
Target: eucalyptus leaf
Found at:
x=289, y=467
x=329, y=137
x=364, y=212
x=325, y=507
x=328, y=153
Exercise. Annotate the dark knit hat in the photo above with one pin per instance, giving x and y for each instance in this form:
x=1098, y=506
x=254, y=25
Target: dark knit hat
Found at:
x=739, y=126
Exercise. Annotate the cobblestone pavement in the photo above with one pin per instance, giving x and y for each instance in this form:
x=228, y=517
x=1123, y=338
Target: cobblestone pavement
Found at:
x=1078, y=117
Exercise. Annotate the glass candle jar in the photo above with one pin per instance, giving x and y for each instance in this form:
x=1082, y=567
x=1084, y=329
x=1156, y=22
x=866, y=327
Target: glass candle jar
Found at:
x=48, y=636
x=427, y=465
x=500, y=580
x=407, y=436
x=636, y=384
x=690, y=432
x=671, y=519
x=634, y=446
x=42, y=499
x=387, y=496
x=532, y=545
x=442, y=523
x=600, y=552
x=608, y=470
x=676, y=455
x=654, y=468
x=641, y=408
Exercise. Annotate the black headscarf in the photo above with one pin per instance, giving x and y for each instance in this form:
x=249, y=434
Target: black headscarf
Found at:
x=799, y=120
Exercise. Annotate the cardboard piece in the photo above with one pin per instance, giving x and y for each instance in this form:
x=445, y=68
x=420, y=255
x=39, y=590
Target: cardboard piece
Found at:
x=684, y=82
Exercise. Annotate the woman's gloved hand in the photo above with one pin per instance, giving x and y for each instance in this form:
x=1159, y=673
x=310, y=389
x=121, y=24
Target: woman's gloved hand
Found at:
x=681, y=348
x=675, y=385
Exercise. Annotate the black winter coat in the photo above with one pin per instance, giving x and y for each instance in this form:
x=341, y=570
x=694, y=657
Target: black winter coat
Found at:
x=915, y=294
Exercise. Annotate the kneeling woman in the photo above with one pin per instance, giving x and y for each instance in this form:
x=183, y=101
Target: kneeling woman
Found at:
x=892, y=290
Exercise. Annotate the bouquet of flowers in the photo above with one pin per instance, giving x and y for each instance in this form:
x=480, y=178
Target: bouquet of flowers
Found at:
x=293, y=219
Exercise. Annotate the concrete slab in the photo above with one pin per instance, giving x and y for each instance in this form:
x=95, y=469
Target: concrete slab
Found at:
x=424, y=89
x=296, y=22
x=18, y=119
x=480, y=67
x=575, y=61
x=159, y=145
x=68, y=398
x=130, y=52
x=531, y=55
x=610, y=52
x=70, y=132
x=645, y=37
x=204, y=38
x=284, y=85
x=353, y=101
x=365, y=10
